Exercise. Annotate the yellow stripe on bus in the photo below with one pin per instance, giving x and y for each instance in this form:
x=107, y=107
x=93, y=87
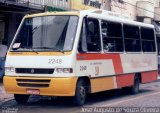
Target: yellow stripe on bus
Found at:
x=39, y=53
x=102, y=84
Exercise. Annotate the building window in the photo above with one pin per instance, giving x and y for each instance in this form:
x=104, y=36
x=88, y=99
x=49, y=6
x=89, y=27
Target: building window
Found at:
x=148, y=40
x=112, y=37
x=132, y=38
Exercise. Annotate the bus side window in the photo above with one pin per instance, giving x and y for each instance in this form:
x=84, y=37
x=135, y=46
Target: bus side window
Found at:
x=93, y=35
x=112, y=36
x=132, y=38
x=148, y=40
x=90, y=36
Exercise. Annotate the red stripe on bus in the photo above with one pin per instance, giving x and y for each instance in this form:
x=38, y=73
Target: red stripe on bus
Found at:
x=149, y=76
x=114, y=57
x=125, y=80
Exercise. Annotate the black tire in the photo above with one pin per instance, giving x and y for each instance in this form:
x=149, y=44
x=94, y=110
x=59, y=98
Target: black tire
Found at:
x=80, y=94
x=135, y=88
x=1, y=79
x=21, y=99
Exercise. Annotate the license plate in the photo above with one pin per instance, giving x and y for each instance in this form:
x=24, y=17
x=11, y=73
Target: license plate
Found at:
x=33, y=91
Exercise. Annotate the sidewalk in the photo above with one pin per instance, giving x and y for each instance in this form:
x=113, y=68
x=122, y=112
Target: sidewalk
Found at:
x=3, y=95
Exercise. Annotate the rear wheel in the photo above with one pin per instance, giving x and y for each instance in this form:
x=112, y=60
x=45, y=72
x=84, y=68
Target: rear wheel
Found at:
x=81, y=92
x=21, y=99
x=135, y=88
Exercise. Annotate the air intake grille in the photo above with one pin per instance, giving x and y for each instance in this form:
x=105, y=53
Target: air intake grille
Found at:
x=34, y=71
x=33, y=83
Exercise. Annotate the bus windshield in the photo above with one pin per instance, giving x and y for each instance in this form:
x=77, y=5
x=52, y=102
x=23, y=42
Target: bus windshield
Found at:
x=46, y=33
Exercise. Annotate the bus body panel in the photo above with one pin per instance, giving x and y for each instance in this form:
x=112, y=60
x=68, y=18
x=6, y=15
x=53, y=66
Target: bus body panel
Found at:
x=99, y=64
x=110, y=71
x=60, y=84
x=102, y=84
x=133, y=63
x=40, y=62
x=53, y=86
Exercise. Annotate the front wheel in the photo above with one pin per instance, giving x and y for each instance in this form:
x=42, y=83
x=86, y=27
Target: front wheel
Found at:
x=80, y=95
x=21, y=99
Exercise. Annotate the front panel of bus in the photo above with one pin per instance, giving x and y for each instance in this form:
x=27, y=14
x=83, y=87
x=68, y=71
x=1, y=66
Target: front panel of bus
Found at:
x=40, y=59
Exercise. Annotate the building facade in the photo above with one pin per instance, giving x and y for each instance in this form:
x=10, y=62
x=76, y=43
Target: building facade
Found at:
x=12, y=11
x=11, y=14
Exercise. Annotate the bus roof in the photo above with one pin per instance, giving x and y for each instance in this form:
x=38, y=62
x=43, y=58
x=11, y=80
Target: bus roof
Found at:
x=99, y=14
x=114, y=17
x=53, y=13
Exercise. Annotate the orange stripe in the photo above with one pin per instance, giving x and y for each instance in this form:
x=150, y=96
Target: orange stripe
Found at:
x=114, y=57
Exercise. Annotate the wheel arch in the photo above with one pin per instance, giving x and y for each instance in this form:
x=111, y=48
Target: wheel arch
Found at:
x=87, y=81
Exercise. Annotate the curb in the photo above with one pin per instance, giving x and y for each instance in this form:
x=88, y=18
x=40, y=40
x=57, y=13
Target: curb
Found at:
x=5, y=100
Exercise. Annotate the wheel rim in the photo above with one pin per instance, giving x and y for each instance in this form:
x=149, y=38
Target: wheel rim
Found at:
x=82, y=93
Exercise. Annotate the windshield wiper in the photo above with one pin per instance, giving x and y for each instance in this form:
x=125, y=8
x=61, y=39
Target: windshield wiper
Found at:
x=24, y=49
x=55, y=49
x=33, y=50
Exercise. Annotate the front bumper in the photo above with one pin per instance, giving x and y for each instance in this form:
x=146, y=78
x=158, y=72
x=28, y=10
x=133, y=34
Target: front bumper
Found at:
x=46, y=86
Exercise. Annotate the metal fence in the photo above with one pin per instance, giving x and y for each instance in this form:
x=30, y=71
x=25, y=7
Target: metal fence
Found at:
x=65, y=4
x=62, y=4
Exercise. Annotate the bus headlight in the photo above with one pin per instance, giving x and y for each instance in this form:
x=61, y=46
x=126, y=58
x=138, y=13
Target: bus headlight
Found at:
x=9, y=69
x=64, y=70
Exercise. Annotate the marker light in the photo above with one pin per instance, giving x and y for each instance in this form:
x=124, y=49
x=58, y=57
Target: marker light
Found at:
x=64, y=70
x=9, y=69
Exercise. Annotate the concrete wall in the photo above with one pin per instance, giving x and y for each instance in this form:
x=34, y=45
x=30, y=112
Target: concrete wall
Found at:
x=129, y=7
x=54, y=3
x=86, y=4
x=126, y=8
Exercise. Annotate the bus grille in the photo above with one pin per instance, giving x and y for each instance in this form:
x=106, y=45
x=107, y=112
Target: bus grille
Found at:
x=34, y=71
x=34, y=83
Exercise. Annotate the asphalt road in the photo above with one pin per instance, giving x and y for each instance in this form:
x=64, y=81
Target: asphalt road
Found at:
x=110, y=101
